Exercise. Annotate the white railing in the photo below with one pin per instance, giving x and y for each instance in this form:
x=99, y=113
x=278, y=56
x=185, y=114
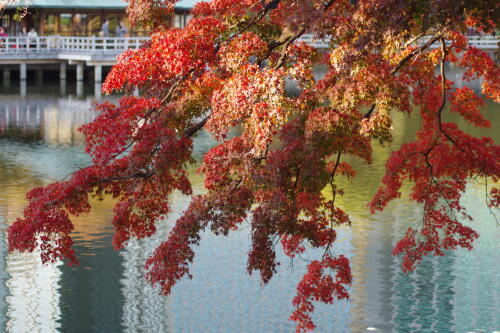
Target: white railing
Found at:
x=24, y=44
x=481, y=42
x=315, y=42
x=44, y=44
x=115, y=45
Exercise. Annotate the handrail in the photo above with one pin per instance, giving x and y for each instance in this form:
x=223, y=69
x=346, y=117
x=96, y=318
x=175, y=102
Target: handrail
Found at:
x=116, y=45
x=44, y=44
x=482, y=42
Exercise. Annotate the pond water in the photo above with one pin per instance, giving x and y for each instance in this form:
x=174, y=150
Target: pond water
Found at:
x=459, y=292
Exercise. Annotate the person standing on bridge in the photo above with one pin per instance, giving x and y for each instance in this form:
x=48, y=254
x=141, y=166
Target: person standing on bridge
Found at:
x=32, y=36
x=3, y=34
x=24, y=42
x=105, y=28
x=121, y=30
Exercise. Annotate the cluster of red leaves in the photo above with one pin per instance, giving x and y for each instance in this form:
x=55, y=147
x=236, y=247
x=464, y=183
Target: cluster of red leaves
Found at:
x=443, y=158
x=320, y=285
x=465, y=102
x=439, y=172
x=228, y=69
x=171, y=54
x=479, y=64
x=46, y=218
x=115, y=126
x=170, y=261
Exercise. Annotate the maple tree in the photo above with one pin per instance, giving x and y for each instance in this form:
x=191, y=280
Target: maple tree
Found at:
x=228, y=67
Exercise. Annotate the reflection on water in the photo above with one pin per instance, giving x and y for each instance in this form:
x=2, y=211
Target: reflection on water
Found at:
x=33, y=299
x=39, y=143
x=145, y=310
x=38, y=119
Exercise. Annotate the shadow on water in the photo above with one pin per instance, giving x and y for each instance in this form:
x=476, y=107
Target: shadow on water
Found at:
x=39, y=143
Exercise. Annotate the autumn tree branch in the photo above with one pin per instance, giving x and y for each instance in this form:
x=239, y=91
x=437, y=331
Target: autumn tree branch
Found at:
x=437, y=35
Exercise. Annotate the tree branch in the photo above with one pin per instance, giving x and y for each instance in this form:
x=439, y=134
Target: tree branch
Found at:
x=195, y=128
x=403, y=61
x=444, y=52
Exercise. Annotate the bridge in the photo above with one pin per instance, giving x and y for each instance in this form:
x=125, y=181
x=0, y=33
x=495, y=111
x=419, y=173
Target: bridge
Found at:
x=79, y=51
x=102, y=51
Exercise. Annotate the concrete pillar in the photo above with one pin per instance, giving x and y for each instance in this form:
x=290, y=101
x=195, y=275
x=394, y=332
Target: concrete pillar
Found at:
x=98, y=73
x=98, y=91
x=79, y=88
x=22, y=88
x=79, y=71
x=23, y=71
x=39, y=77
x=62, y=87
x=62, y=71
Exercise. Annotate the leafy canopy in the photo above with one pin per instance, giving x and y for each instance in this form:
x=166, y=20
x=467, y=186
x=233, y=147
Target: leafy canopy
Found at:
x=228, y=68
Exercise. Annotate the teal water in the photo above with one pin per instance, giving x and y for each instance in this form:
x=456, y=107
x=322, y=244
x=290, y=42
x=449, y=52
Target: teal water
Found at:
x=107, y=292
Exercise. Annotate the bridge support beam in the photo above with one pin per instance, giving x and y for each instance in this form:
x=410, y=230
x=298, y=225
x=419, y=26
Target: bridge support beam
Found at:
x=22, y=88
x=62, y=71
x=79, y=71
x=98, y=91
x=98, y=73
x=79, y=88
x=23, y=71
